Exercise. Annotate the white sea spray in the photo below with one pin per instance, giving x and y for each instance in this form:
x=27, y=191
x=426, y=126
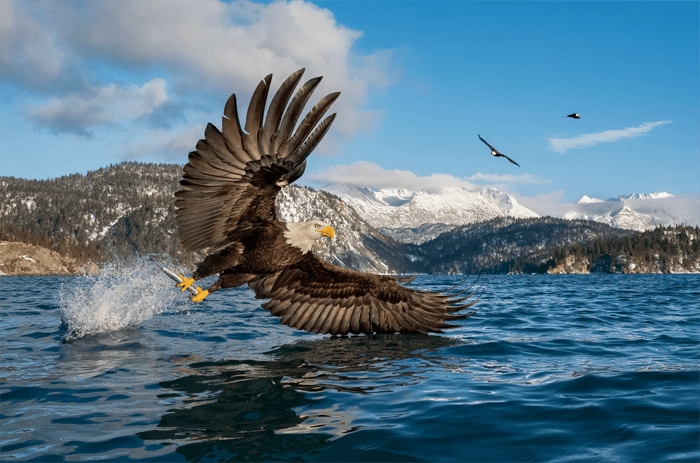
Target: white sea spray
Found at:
x=123, y=295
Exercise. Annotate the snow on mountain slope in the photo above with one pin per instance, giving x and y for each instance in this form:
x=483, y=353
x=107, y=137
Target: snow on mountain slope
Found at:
x=639, y=211
x=394, y=208
x=661, y=195
x=356, y=245
x=628, y=219
x=585, y=199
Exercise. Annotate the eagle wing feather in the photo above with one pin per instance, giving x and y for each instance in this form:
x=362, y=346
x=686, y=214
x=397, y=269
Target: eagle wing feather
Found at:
x=235, y=175
x=317, y=296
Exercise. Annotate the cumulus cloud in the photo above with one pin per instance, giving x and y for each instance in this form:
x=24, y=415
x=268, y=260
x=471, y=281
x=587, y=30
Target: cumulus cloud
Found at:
x=370, y=175
x=229, y=47
x=206, y=49
x=78, y=113
x=28, y=50
x=562, y=145
x=545, y=203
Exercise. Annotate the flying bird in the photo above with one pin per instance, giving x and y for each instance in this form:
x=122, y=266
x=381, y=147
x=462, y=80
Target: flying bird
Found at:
x=495, y=152
x=226, y=207
x=574, y=116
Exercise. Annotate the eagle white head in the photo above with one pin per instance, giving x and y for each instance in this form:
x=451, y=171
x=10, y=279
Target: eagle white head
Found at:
x=303, y=235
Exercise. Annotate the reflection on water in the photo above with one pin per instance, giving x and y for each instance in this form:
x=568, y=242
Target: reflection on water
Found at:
x=256, y=410
x=91, y=356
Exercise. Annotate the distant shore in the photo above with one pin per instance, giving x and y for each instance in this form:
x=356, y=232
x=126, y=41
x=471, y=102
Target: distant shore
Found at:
x=18, y=259
x=22, y=259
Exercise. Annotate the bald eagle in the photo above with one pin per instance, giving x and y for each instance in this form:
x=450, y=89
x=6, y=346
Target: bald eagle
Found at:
x=495, y=152
x=226, y=206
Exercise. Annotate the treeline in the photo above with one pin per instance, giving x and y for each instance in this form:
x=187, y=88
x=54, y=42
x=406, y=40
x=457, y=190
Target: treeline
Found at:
x=662, y=250
x=121, y=210
x=496, y=245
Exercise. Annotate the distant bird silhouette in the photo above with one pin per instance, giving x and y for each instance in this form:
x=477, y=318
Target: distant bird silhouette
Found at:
x=574, y=116
x=494, y=152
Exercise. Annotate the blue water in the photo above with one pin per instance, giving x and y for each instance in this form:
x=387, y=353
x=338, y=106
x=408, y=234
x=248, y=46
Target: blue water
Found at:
x=551, y=368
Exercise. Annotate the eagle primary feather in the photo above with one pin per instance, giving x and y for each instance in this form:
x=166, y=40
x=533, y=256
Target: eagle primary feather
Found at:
x=226, y=206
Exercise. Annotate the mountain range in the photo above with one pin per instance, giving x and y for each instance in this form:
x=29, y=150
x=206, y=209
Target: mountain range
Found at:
x=394, y=208
x=417, y=216
x=128, y=209
x=637, y=211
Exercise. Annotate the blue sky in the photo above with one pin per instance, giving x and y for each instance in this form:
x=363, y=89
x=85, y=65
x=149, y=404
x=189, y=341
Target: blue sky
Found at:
x=87, y=84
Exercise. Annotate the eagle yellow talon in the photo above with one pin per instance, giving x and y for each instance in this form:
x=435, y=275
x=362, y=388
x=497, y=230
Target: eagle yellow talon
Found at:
x=202, y=293
x=186, y=283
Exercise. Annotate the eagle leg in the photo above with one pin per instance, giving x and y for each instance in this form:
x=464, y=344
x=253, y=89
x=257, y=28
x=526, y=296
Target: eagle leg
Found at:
x=201, y=294
x=226, y=280
x=186, y=283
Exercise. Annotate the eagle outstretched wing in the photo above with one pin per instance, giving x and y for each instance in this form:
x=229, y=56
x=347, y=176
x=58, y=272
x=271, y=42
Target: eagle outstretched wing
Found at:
x=234, y=175
x=316, y=296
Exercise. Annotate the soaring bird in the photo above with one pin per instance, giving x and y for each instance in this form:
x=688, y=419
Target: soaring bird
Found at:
x=574, y=116
x=495, y=152
x=226, y=206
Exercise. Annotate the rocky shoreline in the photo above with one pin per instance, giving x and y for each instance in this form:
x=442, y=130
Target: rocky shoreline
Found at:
x=17, y=259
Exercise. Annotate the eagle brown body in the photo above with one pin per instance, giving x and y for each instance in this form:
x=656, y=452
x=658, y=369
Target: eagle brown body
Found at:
x=227, y=206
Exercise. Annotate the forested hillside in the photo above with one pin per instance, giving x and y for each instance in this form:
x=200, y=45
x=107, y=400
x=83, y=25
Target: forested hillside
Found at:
x=128, y=209
x=118, y=210
x=492, y=246
x=662, y=250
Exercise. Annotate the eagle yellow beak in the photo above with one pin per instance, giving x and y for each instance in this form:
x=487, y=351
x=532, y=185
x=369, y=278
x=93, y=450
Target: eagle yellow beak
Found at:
x=328, y=231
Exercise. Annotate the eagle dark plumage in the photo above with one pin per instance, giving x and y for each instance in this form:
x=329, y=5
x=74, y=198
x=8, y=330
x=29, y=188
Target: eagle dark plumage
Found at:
x=496, y=153
x=574, y=116
x=226, y=206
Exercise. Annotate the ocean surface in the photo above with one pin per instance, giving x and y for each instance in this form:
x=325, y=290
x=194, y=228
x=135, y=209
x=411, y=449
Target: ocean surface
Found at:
x=554, y=368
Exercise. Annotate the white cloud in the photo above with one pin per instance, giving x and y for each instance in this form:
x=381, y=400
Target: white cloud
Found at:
x=204, y=48
x=231, y=47
x=113, y=103
x=370, y=175
x=28, y=50
x=562, y=145
x=545, y=203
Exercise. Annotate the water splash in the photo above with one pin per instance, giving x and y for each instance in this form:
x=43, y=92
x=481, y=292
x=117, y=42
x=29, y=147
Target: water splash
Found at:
x=123, y=295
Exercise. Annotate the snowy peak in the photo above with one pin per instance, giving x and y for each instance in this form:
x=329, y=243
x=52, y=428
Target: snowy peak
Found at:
x=394, y=208
x=507, y=203
x=403, y=208
x=628, y=219
x=639, y=211
x=585, y=199
x=661, y=195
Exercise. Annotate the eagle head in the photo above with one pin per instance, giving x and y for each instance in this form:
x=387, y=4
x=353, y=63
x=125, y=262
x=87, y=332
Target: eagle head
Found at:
x=303, y=235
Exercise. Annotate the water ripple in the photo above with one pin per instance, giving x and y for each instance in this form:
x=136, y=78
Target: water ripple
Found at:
x=551, y=368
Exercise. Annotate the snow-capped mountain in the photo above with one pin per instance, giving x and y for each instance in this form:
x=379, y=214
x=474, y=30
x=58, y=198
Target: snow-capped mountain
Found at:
x=393, y=208
x=357, y=244
x=637, y=211
x=661, y=195
x=628, y=219
x=585, y=199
